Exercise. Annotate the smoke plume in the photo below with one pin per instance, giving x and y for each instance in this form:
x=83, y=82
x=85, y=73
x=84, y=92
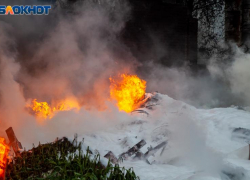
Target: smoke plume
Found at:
x=64, y=54
x=73, y=54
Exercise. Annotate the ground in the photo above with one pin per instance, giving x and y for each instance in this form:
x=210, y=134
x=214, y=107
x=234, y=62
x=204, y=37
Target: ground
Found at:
x=200, y=142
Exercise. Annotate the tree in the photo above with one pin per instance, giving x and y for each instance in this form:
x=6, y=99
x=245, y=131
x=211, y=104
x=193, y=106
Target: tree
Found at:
x=210, y=15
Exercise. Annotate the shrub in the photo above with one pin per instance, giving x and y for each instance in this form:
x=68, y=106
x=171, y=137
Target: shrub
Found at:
x=64, y=160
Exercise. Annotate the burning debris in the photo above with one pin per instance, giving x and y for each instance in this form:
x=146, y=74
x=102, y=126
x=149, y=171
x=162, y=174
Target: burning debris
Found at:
x=14, y=143
x=43, y=110
x=145, y=154
x=128, y=91
x=75, y=56
x=4, y=150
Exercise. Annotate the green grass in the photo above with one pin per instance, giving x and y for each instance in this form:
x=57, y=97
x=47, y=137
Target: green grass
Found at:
x=64, y=160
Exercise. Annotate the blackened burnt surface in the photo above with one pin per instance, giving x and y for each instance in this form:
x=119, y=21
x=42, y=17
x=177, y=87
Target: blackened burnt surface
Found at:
x=161, y=32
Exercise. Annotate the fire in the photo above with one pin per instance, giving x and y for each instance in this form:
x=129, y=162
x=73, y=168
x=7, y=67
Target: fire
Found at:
x=44, y=110
x=41, y=109
x=128, y=91
x=4, y=150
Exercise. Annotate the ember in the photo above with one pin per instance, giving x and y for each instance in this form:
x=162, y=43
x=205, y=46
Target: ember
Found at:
x=4, y=149
x=44, y=110
x=128, y=91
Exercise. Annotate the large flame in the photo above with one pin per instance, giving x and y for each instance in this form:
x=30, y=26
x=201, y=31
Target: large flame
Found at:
x=44, y=110
x=4, y=150
x=128, y=91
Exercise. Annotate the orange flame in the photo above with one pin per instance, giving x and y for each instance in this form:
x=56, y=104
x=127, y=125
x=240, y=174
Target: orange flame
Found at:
x=4, y=150
x=41, y=109
x=44, y=110
x=128, y=91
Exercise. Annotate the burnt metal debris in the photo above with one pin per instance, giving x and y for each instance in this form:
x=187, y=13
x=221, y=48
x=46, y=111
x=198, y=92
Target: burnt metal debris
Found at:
x=139, y=156
x=14, y=143
x=149, y=155
x=152, y=151
x=133, y=150
x=136, y=153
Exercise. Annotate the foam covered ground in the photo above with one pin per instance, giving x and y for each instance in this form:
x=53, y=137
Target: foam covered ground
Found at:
x=200, y=144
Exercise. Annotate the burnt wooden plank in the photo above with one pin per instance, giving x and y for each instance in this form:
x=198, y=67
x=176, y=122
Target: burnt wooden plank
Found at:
x=14, y=143
x=110, y=155
x=133, y=150
x=139, y=156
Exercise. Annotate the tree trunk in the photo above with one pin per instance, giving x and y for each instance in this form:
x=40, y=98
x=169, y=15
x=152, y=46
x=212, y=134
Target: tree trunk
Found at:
x=246, y=24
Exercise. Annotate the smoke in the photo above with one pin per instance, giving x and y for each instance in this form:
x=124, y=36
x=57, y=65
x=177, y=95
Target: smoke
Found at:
x=69, y=123
x=10, y=92
x=74, y=54
x=69, y=54
x=76, y=57
x=62, y=55
x=236, y=74
x=240, y=76
x=222, y=82
x=200, y=89
x=188, y=146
